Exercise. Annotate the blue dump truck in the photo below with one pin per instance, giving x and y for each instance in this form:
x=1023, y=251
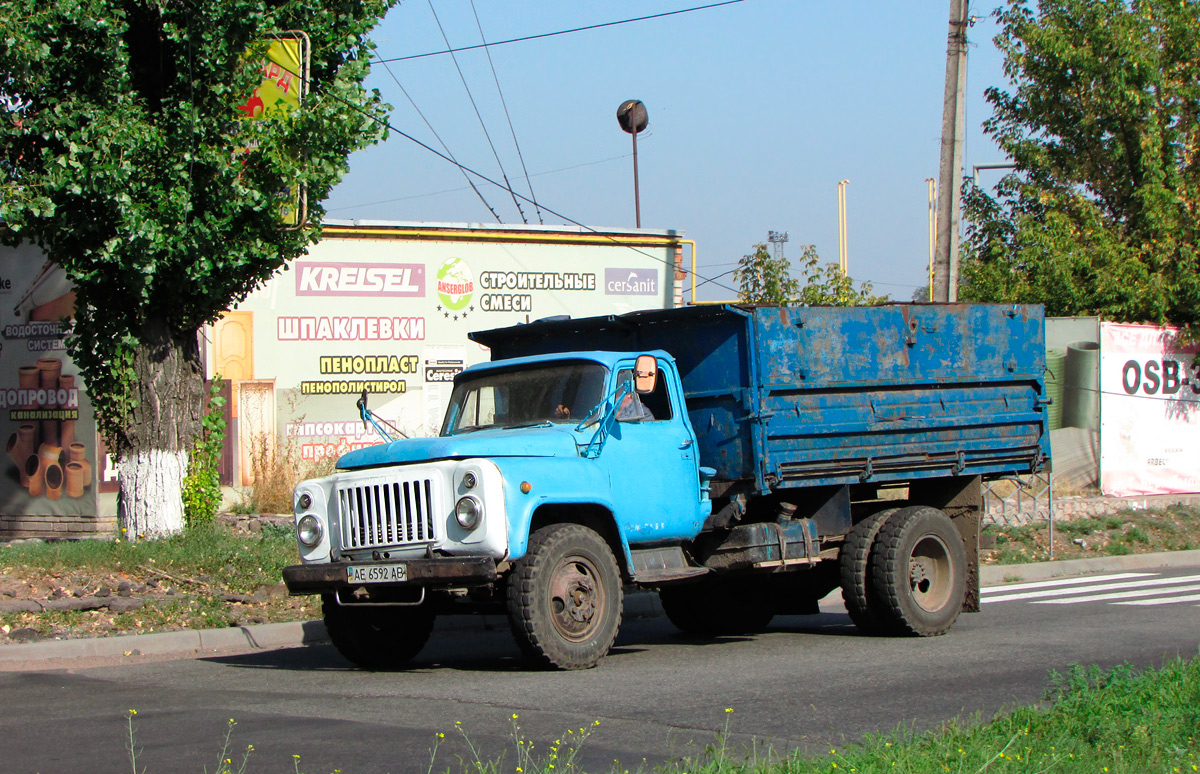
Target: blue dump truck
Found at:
x=745, y=461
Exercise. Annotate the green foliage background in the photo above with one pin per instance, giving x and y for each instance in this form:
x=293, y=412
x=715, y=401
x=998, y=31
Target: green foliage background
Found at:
x=120, y=156
x=202, y=484
x=1101, y=215
x=765, y=279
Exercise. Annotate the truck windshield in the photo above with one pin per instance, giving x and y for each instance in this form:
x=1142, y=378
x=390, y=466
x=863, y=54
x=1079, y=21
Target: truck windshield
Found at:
x=552, y=392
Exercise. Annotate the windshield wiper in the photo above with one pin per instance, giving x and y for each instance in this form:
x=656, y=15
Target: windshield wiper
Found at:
x=540, y=423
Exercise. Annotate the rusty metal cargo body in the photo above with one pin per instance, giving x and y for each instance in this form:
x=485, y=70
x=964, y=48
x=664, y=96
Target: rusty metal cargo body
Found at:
x=785, y=397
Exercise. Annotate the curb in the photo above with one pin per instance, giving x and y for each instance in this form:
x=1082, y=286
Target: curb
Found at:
x=641, y=604
x=638, y=605
x=999, y=574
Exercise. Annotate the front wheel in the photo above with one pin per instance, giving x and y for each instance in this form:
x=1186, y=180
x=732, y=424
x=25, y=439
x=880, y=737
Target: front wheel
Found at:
x=377, y=638
x=565, y=597
x=919, y=571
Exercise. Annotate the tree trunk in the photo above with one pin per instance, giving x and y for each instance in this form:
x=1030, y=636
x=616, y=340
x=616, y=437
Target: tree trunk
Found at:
x=153, y=452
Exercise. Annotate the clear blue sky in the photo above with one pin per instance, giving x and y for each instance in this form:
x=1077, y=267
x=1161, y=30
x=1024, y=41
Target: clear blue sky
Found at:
x=757, y=110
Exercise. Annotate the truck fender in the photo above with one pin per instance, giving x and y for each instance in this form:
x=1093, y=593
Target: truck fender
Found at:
x=563, y=490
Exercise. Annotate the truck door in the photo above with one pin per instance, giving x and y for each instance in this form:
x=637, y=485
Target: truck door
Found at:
x=652, y=465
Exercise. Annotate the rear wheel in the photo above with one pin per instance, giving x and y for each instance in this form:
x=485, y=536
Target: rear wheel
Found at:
x=565, y=597
x=862, y=603
x=377, y=638
x=718, y=607
x=919, y=571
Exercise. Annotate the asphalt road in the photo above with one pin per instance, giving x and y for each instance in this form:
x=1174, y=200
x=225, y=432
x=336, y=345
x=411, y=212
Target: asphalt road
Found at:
x=810, y=682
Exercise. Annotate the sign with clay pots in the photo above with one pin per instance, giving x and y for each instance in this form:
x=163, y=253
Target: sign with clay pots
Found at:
x=45, y=415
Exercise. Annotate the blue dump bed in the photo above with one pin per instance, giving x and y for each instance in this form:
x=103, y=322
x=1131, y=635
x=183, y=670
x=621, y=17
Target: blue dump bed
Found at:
x=808, y=396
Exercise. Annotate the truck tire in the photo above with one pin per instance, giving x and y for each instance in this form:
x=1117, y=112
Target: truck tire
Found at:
x=717, y=608
x=377, y=638
x=919, y=571
x=862, y=603
x=565, y=597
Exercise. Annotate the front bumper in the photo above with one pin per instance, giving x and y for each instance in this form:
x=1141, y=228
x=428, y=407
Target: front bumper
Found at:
x=449, y=571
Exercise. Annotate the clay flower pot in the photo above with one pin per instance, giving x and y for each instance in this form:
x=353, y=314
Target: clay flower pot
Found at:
x=75, y=479
x=66, y=433
x=33, y=475
x=20, y=445
x=49, y=369
x=27, y=380
x=54, y=481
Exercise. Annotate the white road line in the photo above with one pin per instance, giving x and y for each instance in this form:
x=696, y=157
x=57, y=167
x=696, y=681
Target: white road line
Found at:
x=1007, y=587
x=1096, y=587
x=1163, y=601
x=1117, y=595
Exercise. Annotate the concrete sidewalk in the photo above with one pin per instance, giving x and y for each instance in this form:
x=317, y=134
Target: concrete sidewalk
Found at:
x=637, y=605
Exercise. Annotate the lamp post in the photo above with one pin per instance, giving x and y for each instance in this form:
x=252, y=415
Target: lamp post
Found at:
x=843, y=256
x=632, y=117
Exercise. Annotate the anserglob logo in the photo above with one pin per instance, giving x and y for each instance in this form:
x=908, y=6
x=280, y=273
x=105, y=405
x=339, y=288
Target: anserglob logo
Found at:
x=455, y=284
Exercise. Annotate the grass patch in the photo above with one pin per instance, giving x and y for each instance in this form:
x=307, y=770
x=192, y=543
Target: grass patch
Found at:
x=203, y=553
x=1176, y=528
x=208, y=576
x=1119, y=721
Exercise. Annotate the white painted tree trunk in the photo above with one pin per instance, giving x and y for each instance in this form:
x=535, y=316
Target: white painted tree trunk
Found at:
x=151, y=499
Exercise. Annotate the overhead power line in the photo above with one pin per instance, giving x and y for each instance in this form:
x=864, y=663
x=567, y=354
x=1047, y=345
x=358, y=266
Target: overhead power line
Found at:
x=511, y=129
x=467, y=170
x=478, y=115
x=561, y=32
x=442, y=142
x=456, y=190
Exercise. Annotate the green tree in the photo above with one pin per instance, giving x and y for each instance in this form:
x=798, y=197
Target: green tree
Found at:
x=827, y=285
x=1101, y=214
x=764, y=279
x=122, y=156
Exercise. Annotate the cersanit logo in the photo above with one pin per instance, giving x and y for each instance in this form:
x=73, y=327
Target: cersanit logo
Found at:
x=360, y=279
x=631, y=282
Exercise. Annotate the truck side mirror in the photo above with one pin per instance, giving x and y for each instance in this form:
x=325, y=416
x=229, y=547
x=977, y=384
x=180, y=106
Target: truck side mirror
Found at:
x=645, y=374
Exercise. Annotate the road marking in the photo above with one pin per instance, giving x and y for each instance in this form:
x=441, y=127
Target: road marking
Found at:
x=1120, y=595
x=1043, y=593
x=1163, y=601
x=1007, y=587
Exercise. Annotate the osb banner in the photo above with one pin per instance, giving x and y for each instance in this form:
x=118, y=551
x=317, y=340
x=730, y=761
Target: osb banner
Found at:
x=1150, y=411
x=45, y=415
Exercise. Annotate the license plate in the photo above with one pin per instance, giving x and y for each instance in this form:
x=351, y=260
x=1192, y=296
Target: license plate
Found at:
x=377, y=573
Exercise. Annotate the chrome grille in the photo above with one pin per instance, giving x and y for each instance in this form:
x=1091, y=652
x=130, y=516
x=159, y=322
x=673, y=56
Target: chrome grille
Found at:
x=387, y=513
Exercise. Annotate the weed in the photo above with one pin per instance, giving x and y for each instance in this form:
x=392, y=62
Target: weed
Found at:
x=1093, y=720
x=1136, y=535
x=1124, y=533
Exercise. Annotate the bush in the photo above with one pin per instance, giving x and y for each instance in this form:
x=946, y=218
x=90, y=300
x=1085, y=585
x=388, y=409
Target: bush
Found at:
x=202, y=484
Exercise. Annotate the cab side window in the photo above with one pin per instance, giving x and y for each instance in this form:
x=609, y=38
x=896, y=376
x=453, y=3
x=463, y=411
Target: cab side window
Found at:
x=659, y=402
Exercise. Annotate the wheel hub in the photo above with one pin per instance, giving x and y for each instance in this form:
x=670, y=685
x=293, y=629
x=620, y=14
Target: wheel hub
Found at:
x=575, y=597
x=929, y=573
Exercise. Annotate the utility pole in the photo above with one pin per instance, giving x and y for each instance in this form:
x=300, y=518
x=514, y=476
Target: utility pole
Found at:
x=945, y=272
x=843, y=253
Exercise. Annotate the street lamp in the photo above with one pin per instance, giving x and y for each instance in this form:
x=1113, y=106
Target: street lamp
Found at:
x=632, y=117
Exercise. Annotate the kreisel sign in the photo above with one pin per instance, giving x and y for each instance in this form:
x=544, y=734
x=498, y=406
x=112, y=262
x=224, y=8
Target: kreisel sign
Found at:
x=396, y=280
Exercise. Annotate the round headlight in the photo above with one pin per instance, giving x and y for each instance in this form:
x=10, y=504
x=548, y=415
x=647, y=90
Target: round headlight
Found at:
x=469, y=480
x=468, y=512
x=308, y=531
x=304, y=502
